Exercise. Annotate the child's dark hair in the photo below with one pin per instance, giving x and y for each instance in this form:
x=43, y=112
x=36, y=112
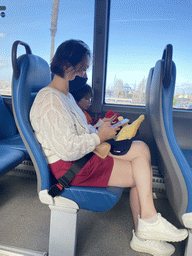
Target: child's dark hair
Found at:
x=83, y=92
x=70, y=52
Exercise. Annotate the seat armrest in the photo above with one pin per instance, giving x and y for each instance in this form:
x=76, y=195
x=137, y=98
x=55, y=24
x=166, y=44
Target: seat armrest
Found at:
x=187, y=220
x=45, y=198
x=59, y=201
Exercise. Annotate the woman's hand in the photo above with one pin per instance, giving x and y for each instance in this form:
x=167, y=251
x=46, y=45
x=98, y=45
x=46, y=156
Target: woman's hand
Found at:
x=106, y=132
x=106, y=124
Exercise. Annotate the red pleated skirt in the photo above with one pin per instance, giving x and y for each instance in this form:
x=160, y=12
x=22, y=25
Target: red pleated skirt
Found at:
x=95, y=173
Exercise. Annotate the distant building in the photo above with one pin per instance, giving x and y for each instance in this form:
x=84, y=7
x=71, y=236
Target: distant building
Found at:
x=183, y=88
x=4, y=84
x=127, y=88
x=5, y=88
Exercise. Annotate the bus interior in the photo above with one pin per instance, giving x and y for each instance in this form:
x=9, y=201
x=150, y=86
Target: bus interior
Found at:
x=141, y=65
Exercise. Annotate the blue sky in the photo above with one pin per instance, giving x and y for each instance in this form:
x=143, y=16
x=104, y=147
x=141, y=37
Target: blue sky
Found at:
x=139, y=31
x=138, y=37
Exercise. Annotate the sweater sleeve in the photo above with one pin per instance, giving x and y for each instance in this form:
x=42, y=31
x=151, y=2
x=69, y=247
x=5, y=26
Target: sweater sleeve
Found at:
x=58, y=131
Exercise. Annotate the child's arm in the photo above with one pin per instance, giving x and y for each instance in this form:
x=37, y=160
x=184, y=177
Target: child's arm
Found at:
x=110, y=119
x=102, y=121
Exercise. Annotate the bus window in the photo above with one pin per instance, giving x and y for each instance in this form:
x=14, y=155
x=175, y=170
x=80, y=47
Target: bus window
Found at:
x=31, y=22
x=138, y=32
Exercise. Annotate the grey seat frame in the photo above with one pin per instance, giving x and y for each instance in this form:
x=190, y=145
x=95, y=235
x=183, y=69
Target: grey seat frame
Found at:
x=176, y=168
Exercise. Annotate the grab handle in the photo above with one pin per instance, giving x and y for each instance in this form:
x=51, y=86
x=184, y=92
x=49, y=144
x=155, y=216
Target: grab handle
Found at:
x=15, y=66
x=167, y=57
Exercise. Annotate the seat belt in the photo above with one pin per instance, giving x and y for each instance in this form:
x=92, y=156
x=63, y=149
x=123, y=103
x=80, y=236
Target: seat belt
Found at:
x=63, y=182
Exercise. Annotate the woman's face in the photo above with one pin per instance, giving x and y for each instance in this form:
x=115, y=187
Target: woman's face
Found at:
x=82, y=67
x=79, y=70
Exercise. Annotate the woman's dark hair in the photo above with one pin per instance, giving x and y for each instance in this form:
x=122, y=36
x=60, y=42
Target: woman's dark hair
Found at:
x=83, y=92
x=70, y=52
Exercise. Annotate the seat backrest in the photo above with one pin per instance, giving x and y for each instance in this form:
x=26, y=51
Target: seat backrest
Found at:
x=147, y=93
x=7, y=124
x=30, y=74
x=177, y=172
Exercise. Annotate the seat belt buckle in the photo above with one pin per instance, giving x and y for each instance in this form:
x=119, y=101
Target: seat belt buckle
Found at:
x=63, y=181
x=55, y=190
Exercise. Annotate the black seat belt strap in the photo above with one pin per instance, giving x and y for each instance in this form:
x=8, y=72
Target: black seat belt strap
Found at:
x=63, y=182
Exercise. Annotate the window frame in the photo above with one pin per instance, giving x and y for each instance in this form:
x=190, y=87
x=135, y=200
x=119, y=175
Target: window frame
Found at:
x=100, y=53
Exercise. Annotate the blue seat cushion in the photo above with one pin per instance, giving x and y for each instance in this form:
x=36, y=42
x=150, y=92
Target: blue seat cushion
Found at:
x=15, y=142
x=9, y=159
x=93, y=199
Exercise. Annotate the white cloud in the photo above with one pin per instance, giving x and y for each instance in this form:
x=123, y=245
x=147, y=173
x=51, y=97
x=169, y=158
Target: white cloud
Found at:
x=4, y=63
x=2, y=35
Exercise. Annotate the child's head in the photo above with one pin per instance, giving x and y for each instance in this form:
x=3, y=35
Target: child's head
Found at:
x=83, y=97
x=81, y=92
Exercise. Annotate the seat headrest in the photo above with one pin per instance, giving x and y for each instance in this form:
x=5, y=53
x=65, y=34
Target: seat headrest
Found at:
x=38, y=73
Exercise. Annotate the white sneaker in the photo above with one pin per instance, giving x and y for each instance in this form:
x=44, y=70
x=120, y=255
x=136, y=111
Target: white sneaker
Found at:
x=154, y=247
x=160, y=230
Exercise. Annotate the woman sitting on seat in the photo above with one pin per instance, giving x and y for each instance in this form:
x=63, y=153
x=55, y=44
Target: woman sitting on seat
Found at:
x=62, y=130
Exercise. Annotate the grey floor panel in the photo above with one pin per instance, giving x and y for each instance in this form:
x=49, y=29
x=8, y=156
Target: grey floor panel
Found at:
x=25, y=222
x=16, y=251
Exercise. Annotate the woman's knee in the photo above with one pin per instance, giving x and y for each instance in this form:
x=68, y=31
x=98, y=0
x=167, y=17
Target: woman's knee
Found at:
x=142, y=149
x=138, y=149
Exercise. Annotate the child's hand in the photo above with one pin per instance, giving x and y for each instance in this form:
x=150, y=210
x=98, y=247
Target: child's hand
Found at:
x=110, y=119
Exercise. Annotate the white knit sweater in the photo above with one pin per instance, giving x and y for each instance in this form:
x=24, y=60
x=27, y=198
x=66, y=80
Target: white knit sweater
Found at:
x=60, y=126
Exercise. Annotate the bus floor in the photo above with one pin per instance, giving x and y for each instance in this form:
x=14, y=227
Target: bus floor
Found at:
x=24, y=222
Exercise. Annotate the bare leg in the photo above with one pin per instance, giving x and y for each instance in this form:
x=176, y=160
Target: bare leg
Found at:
x=135, y=205
x=134, y=170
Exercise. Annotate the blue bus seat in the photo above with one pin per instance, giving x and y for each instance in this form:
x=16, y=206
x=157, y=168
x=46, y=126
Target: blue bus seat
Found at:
x=15, y=142
x=12, y=149
x=30, y=74
x=176, y=163
x=9, y=159
x=147, y=93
